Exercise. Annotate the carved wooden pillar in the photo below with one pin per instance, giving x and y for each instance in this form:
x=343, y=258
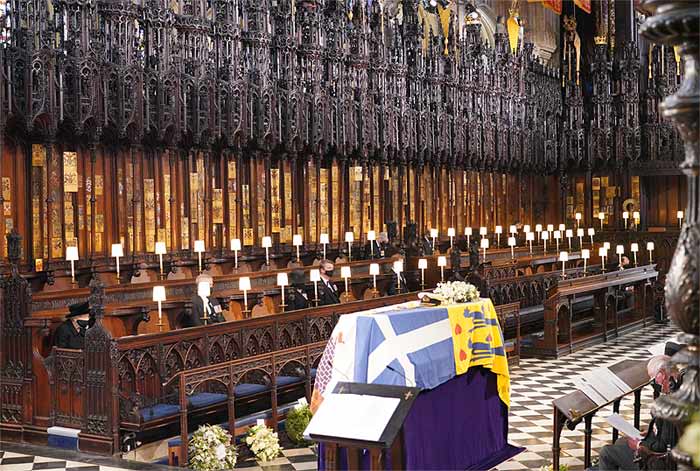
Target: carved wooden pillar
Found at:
x=677, y=23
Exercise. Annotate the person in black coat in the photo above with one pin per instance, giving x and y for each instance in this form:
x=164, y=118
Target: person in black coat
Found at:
x=327, y=290
x=660, y=435
x=398, y=282
x=200, y=304
x=296, y=297
x=71, y=333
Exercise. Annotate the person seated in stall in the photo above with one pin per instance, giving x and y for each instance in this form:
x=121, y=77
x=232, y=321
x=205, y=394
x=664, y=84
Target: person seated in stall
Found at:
x=397, y=278
x=426, y=244
x=456, y=263
x=660, y=434
x=296, y=297
x=327, y=290
x=71, y=332
x=202, y=304
x=379, y=246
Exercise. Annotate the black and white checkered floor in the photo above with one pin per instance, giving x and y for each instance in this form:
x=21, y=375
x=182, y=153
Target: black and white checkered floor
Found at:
x=534, y=385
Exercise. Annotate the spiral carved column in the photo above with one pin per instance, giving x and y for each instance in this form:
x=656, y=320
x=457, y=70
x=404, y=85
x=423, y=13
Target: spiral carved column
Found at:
x=677, y=23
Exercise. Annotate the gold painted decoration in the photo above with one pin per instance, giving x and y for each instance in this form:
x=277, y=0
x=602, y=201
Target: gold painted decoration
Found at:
x=81, y=218
x=247, y=223
x=288, y=207
x=6, y=189
x=7, y=208
x=275, y=202
x=337, y=222
x=323, y=200
x=366, y=187
x=233, y=222
x=261, y=194
x=99, y=222
x=217, y=204
x=57, y=247
x=99, y=185
x=313, y=201
x=166, y=209
x=376, y=199
x=513, y=26
x=70, y=172
x=149, y=186
x=38, y=155
x=185, y=233
x=39, y=264
x=248, y=238
x=445, y=15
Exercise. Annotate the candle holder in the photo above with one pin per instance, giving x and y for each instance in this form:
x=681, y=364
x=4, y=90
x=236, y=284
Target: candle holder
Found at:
x=511, y=243
x=602, y=253
x=345, y=273
x=160, y=251
x=591, y=233
x=422, y=266
x=371, y=237
x=398, y=269
x=498, y=231
x=297, y=242
x=244, y=285
x=484, y=246
x=585, y=255
x=563, y=258
x=451, y=235
x=634, y=248
x=159, y=297
x=72, y=256
x=282, y=282
x=315, y=276
x=324, y=240
x=349, y=238
x=117, y=252
x=468, y=233
x=601, y=217
x=620, y=250
x=374, y=271
x=204, y=290
x=199, y=248
x=650, y=249
x=433, y=236
x=236, y=247
x=266, y=244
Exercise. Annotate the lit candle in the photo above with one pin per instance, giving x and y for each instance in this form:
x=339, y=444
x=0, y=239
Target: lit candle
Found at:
x=451, y=234
x=562, y=227
x=620, y=250
x=579, y=234
x=442, y=262
x=498, y=231
x=324, y=240
x=513, y=230
x=345, y=273
x=482, y=232
x=634, y=248
x=601, y=216
x=374, y=271
x=282, y=281
x=602, y=252
x=650, y=248
x=371, y=237
x=563, y=258
x=422, y=266
x=538, y=229
x=398, y=268
x=625, y=216
x=433, y=235
x=199, y=248
x=349, y=238
x=585, y=255
x=569, y=235
x=679, y=215
x=72, y=256
x=530, y=236
x=545, y=238
x=484, y=245
x=557, y=236
x=267, y=243
x=636, y=217
x=159, y=297
x=591, y=233
x=235, y=246
x=606, y=245
x=511, y=243
x=297, y=242
x=578, y=219
x=550, y=228
x=244, y=285
x=526, y=229
x=117, y=251
x=160, y=251
x=315, y=277
x=468, y=233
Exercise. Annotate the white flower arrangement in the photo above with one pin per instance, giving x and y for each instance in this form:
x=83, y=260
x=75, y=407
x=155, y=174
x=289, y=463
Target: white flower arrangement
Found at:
x=455, y=292
x=263, y=442
x=210, y=449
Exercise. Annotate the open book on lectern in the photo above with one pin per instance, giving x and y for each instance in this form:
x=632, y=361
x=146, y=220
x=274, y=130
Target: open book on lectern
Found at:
x=362, y=414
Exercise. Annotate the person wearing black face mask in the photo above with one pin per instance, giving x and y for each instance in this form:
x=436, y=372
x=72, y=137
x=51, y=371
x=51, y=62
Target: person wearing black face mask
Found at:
x=71, y=333
x=327, y=290
x=296, y=297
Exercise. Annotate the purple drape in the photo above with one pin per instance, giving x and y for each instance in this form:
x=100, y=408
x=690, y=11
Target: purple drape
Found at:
x=461, y=424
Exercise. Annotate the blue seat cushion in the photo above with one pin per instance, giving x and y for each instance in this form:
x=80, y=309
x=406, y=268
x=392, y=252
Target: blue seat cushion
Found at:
x=247, y=389
x=159, y=410
x=509, y=344
x=206, y=399
x=287, y=380
x=313, y=372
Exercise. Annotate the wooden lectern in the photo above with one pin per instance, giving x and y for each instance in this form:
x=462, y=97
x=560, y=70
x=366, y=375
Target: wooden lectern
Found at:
x=391, y=439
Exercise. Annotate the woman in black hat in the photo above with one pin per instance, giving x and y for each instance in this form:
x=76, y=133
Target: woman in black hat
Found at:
x=71, y=333
x=296, y=297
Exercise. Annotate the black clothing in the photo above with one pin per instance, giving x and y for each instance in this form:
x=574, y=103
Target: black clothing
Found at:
x=78, y=309
x=661, y=434
x=67, y=337
x=427, y=245
x=197, y=312
x=296, y=299
x=327, y=295
x=392, y=289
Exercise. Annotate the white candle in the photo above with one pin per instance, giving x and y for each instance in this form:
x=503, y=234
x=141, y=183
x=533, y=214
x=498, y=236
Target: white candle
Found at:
x=315, y=276
x=433, y=235
x=324, y=240
x=545, y=238
x=117, y=251
x=422, y=265
x=282, y=281
x=451, y=234
x=634, y=248
x=620, y=250
x=349, y=238
x=557, y=236
x=159, y=297
x=579, y=234
x=650, y=248
x=601, y=216
x=511, y=243
x=538, y=230
x=267, y=243
x=160, y=250
x=442, y=261
x=498, y=231
x=513, y=230
x=199, y=248
x=569, y=235
x=345, y=273
x=374, y=271
x=578, y=219
x=585, y=255
x=563, y=258
x=371, y=237
x=484, y=245
x=679, y=215
x=591, y=233
x=625, y=216
x=468, y=233
x=530, y=236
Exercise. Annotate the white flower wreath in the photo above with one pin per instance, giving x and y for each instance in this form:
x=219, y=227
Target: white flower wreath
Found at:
x=210, y=449
x=455, y=292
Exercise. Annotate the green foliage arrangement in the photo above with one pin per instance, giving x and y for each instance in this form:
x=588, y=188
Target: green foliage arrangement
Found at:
x=297, y=421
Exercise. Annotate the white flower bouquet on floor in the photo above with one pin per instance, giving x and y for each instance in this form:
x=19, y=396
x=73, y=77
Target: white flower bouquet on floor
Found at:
x=455, y=292
x=210, y=448
x=263, y=442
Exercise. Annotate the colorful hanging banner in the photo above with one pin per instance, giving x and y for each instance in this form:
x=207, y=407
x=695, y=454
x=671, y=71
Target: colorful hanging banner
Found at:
x=584, y=5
